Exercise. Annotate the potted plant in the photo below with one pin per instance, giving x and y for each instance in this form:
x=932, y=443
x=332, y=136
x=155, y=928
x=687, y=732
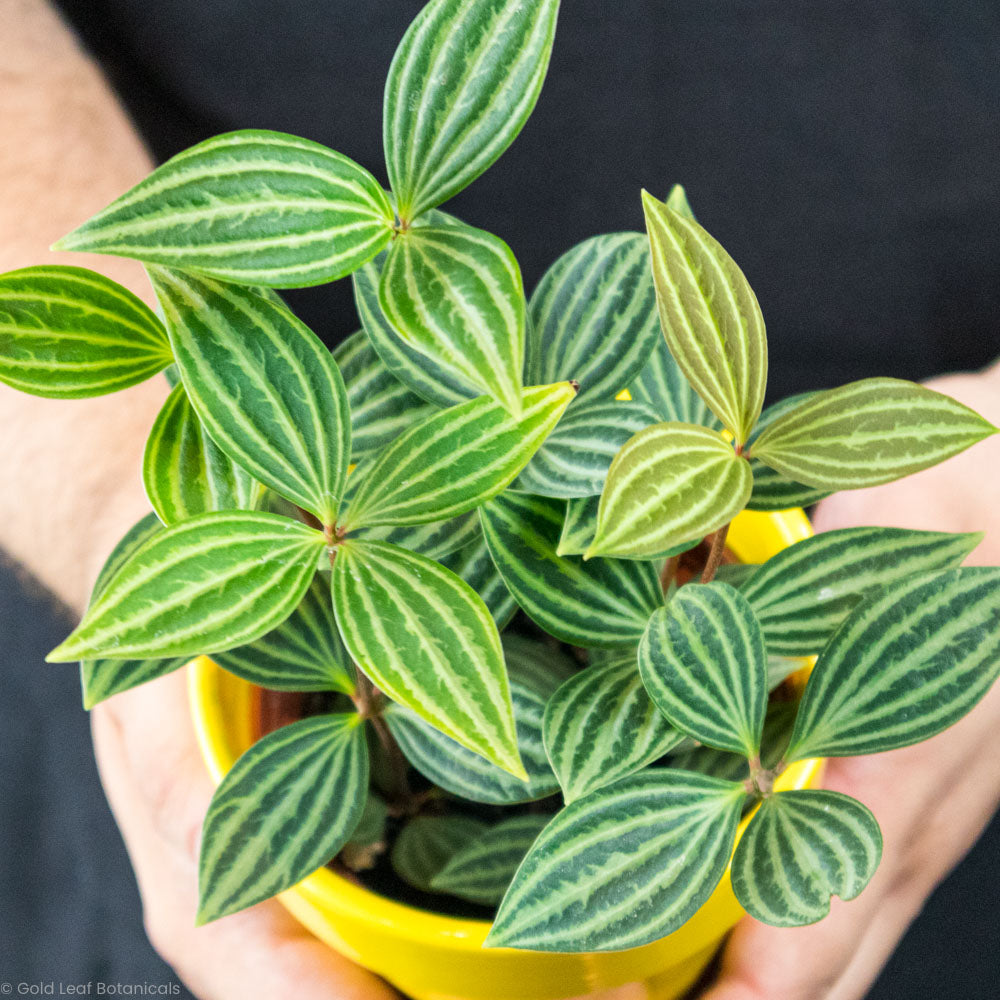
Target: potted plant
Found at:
x=358, y=528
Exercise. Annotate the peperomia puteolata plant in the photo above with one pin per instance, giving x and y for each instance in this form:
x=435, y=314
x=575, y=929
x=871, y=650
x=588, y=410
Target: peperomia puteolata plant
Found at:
x=365, y=524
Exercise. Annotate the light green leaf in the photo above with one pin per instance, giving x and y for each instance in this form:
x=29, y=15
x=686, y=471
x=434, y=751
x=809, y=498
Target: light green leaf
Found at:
x=466, y=774
x=254, y=207
x=703, y=662
x=603, y=602
x=801, y=848
x=426, y=639
x=461, y=86
x=623, y=866
x=454, y=293
x=868, y=432
x=454, y=460
x=574, y=459
x=579, y=525
x=802, y=594
x=209, y=583
x=435, y=539
x=426, y=844
x=286, y=808
x=101, y=679
x=601, y=725
x=482, y=871
x=906, y=664
x=677, y=201
x=474, y=564
x=68, y=333
x=593, y=316
x=304, y=653
x=381, y=406
x=264, y=386
x=710, y=317
x=184, y=471
x=670, y=484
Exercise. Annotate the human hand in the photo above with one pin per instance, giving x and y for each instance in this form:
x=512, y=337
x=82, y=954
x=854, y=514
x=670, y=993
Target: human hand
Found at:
x=932, y=800
x=159, y=791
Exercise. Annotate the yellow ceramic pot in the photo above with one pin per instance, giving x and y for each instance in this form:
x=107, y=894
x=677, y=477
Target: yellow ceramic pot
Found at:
x=433, y=957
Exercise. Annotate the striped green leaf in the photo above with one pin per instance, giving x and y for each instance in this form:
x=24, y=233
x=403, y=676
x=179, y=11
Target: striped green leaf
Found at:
x=426, y=844
x=418, y=372
x=771, y=490
x=574, y=459
x=677, y=201
x=662, y=385
x=670, y=484
x=623, y=866
x=286, y=808
x=593, y=316
x=868, y=432
x=381, y=407
x=454, y=460
x=68, y=333
x=603, y=602
x=454, y=293
x=466, y=774
x=801, y=595
x=264, y=386
x=185, y=473
x=426, y=639
x=907, y=663
x=100, y=678
x=709, y=315
x=601, y=725
x=482, y=871
x=254, y=207
x=801, y=848
x=540, y=666
x=474, y=564
x=703, y=662
x=461, y=85
x=304, y=653
x=435, y=539
x=209, y=583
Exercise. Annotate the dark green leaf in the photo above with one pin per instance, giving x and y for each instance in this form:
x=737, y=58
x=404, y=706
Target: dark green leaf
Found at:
x=426, y=844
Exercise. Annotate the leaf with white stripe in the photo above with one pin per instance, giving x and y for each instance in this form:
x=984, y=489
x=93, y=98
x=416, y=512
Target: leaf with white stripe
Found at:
x=426, y=844
x=254, y=207
x=602, y=602
x=661, y=384
x=541, y=666
x=670, y=484
x=466, y=774
x=69, y=333
x=703, y=662
x=801, y=595
x=100, y=678
x=907, y=663
x=454, y=460
x=434, y=539
x=285, y=809
x=593, y=316
x=304, y=653
x=264, y=386
x=209, y=583
x=772, y=490
x=482, y=871
x=601, y=726
x=381, y=407
x=185, y=473
x=474, y=564
x=709, y=315
x=801, y=848
x=461, y=85
x=454, y=293
x=574, y=459
x=426, y=639
x=623, y=866
x=868, y=432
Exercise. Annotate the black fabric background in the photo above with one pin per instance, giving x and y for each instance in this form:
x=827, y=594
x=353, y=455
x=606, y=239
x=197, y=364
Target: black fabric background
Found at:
x=845, y=154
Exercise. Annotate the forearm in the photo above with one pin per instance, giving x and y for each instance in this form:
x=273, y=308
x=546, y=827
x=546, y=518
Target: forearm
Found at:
x=70, y=469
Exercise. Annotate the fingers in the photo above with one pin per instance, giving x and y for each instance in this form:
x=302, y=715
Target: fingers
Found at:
x=159, y=791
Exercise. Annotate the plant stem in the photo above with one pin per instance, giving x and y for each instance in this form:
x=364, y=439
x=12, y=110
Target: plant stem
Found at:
x=715, y=554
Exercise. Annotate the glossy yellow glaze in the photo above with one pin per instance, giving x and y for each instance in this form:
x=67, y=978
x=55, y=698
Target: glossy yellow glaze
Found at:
x=433, y=957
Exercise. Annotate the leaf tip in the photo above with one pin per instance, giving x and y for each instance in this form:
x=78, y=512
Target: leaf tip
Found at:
x=65, y=652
